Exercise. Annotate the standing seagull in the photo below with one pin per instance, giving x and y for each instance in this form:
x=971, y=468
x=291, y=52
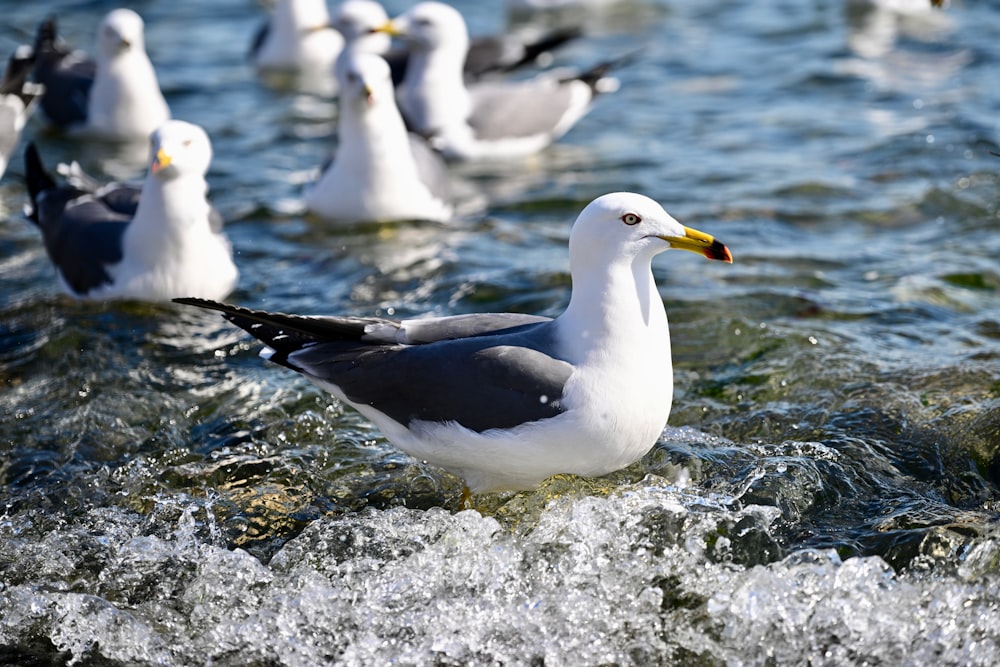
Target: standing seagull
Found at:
x=17, y=100
x=380, y=172
x=486, y=119
x=117, y=96
x=124, y=242
x=505, y=401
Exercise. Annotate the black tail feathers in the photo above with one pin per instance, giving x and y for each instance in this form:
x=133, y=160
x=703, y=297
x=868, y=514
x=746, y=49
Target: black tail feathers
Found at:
x=37, y=179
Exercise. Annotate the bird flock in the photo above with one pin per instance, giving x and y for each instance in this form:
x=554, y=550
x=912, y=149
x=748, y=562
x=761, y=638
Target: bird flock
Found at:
x=414, y=93
x=501, y=400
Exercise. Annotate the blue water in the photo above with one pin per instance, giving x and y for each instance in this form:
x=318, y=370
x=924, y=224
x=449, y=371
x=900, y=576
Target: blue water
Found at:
x=826, y=493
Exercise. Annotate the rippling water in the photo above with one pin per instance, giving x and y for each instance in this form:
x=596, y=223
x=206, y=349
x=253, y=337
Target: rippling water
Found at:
x=826, y=494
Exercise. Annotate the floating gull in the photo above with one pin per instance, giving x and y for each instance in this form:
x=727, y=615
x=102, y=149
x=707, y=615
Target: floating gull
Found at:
x=299, y=39
x=117, y=96
x=484, y=119
x=359, y=22
x=17, y=100
x=506, y=400
x=125, y=242
x=380, y=172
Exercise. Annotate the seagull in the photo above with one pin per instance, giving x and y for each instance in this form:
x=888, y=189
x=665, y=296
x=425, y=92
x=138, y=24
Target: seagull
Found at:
x=298, y=38
x=380, y=172
x=120, y=241
x=359, y=22
x=507, y=400
x=17, y=101
x=489, y=119
x=116, y=96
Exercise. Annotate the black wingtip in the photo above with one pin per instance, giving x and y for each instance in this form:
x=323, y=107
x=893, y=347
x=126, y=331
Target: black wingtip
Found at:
x=283, y=331
x=597, y=75
x=553, y=40
x=46, y=35
x=36, y=178
x=203, y=303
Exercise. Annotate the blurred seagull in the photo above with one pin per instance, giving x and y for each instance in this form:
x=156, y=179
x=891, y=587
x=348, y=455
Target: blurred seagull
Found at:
x=506, y=400
x=117, y=96
x=360, y=22
x=298, y=39
x=492, y=119
x=17, y=100
x=380, y=172
x=121, y=241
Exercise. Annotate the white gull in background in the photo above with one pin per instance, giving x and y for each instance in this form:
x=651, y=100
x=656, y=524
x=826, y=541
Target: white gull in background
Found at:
x=380, y=171
x=116, y=96
x=120, y=241
x=506, y=400
x=17, y=100
x=298, y=39
x=360, y=20
x=490, y=119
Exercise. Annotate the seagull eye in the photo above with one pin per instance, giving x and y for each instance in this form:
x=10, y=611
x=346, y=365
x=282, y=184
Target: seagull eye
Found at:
x=631, y=219
x=187, y=142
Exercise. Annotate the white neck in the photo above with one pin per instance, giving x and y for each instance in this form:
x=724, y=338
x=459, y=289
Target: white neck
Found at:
x=615, y=312
x=371, y=138
x=175, y=198
x=433, y=94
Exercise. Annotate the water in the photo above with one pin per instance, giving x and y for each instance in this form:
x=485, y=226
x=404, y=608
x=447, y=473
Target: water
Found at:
x=826, y=494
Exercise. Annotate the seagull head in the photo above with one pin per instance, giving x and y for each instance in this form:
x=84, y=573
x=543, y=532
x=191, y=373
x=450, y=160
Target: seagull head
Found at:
x=121, y=30
x=365, y=77
x=359, y=22
x=627, y=226
x=430, y=26
x=179, y=148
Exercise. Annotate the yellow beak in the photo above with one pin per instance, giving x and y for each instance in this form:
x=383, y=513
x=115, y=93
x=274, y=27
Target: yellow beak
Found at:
x=161, y=161
x=701, y=243
x=390, y=28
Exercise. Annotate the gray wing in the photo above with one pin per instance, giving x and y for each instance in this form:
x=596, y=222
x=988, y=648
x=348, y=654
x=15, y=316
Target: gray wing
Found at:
x=83, y=241
x=67, y=76
x=482, y=383
x=492, y=53
x=82, y=230
x=505, y=52
x=433, y=170
x=67, y=90
x=505, y=110
x=491, y=380
x=459, y=326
